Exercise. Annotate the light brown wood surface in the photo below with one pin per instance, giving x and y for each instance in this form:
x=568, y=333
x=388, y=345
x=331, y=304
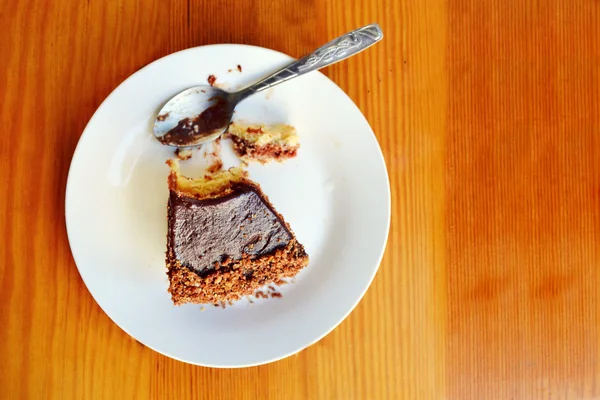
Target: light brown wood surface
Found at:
x=488, y=114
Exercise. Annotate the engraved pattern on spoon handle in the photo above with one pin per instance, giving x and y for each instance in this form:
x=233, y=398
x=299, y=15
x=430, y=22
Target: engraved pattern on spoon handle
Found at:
x=337, y=50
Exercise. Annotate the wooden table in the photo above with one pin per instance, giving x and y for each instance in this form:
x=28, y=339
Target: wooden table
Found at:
x=488, y=113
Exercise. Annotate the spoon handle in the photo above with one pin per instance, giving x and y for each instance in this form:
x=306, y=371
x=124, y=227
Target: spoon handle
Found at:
x=337, y=50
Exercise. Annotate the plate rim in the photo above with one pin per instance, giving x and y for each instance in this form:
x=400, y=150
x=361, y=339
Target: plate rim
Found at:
x=382, y=250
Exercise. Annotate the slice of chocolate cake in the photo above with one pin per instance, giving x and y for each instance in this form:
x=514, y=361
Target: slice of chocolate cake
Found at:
x=264, y=143
x=225, y=240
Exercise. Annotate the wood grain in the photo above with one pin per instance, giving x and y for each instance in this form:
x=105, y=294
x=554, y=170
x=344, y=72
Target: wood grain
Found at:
x=522, y=210
x=488, y=116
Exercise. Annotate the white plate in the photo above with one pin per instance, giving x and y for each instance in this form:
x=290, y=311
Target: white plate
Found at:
x=335, y=195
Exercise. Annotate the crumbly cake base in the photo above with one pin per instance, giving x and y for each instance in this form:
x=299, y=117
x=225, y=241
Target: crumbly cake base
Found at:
x=231, y=280
x=247, y=150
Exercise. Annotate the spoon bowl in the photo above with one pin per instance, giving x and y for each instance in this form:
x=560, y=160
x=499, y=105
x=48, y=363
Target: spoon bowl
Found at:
x=185, y=106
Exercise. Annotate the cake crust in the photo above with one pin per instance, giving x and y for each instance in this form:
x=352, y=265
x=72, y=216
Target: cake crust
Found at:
x=234, y=279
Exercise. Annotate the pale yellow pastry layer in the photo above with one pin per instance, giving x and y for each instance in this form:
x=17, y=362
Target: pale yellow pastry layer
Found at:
x=260, y=135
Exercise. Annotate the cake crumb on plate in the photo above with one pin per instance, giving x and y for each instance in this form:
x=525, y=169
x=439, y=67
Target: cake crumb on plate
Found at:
x=211, y=80
x=183, y=154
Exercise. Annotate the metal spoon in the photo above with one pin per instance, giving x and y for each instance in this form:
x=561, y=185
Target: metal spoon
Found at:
x=202, y=113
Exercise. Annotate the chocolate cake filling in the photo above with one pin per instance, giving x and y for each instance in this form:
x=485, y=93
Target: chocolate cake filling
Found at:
x=205, y=233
